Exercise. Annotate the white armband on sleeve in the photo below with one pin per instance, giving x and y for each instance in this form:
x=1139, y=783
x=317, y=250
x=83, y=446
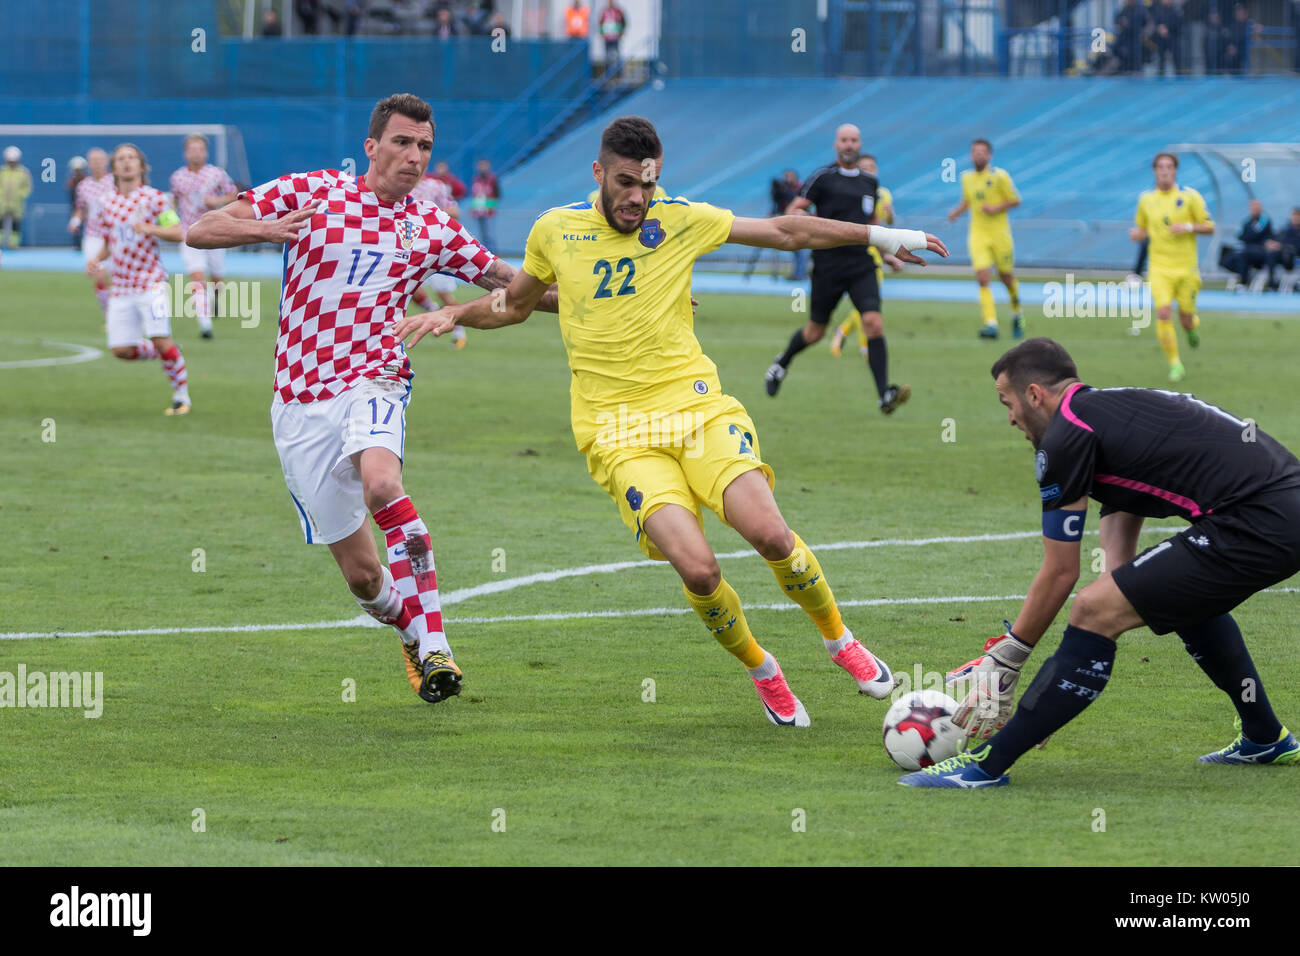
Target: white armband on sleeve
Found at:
x=891, y=240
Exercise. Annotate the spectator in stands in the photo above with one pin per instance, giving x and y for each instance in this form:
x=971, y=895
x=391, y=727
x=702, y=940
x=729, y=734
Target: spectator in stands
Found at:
x=309, y=13
x=1256, y=231
x=456, y=185
x=1216, y=41
x=1236, y=53
x=485, y=192
x=613, y=24
x=78, y=169
x=1130, y=28
x=351, y=17
x=1286, y=247
x=271, y=23
x=577, y=20
x=784, y=191
x=498, y=22
x=1167, y=35
x=445, y=24
x=478, y=18
x=15, y=187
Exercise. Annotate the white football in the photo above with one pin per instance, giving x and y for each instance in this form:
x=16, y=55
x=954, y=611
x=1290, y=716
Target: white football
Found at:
x=919, y=731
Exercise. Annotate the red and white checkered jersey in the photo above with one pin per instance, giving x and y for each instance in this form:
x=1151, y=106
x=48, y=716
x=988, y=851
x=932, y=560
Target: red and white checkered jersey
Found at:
x=136, y=266
x=191, y=186
x=349, y=276
x=91, y=193
x=429, y=189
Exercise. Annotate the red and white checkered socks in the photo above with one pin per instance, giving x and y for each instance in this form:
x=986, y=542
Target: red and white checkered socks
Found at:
x=202, y=308
x=173, y=363
x=422, y=298
x=410, y=558
x=142, y=352
x=387, y=607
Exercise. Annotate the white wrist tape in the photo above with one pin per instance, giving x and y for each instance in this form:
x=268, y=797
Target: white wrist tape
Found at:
x=891, y=240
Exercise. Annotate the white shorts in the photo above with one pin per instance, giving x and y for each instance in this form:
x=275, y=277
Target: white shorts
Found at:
x=90, y=247
x=442, y=283
x=138, y=315
x=211, y=262
x=316, y=442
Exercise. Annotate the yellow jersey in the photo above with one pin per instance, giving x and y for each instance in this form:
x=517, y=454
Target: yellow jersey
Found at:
x=885, y=201
x=992, y=186
x=625, y=308
x=660, y=193
x=1158, y=210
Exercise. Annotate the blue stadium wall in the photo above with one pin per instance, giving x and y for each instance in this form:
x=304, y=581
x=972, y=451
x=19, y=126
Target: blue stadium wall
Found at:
x=299, y=103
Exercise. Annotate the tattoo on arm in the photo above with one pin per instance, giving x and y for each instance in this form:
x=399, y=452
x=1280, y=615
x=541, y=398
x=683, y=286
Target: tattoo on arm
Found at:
x=498, y=276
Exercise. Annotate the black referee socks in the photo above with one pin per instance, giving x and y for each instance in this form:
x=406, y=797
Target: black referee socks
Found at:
x=1068, y=681
x=797, y=345
x=1218, y=647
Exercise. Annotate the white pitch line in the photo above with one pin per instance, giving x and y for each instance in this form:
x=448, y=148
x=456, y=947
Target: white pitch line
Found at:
x=454, y=597
x=80, y=353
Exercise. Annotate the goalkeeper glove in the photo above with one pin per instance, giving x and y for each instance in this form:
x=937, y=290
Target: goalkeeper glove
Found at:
x=989, y=703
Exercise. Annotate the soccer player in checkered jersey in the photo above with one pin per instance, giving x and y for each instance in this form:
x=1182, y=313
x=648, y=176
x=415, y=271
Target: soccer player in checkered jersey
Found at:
x=434, y=190
x=132, y=219
x=90, y=192
x=197, y=187
x=355, y=252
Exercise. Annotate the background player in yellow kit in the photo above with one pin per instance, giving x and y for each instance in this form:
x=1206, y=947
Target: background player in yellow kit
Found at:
x=988, y=193
x=1171, y=217
x=884, y=214
x=648, y=411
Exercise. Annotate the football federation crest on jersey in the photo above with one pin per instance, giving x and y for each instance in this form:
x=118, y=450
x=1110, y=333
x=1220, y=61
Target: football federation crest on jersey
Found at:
x=406, y=233
x=1040, y=465
x=868, y=204
x=652, y=234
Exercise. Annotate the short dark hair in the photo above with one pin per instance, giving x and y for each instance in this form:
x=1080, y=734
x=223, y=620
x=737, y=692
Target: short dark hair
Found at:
x=870, y=156
x=1160, y=156
x=987, y=144
x=404, y=104
x=1039, y=361
x=630, y=137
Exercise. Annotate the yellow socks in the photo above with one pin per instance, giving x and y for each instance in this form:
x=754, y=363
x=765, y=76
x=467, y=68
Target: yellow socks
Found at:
x=847, y=325
x=1013, y=290
x=722, y=614
x=1168, y=339
x=987, y=308
x=800, y=576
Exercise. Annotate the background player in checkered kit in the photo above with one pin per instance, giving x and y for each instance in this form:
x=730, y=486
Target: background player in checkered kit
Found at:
x=434, y=190
x=133, y=218
x=90, y=192
x=355, y=252
x=197, y=187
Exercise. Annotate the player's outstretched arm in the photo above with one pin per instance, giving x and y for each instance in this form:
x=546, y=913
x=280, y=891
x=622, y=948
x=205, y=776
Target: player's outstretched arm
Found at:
x=957, y=210
x=499, y=275
x=237, y=225
x=509, y=305
x=812, y=232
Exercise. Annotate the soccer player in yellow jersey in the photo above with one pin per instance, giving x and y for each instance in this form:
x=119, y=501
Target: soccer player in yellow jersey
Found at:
x=884, y=214
x=988, y=193
x=1171, y=217
x=648, y=410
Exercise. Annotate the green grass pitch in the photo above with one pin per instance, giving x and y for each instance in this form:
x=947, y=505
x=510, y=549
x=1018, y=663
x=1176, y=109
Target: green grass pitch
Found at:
x=553, y=755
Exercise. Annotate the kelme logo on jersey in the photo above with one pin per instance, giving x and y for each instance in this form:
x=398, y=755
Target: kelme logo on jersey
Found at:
x=1040, y=465
x=652, y=234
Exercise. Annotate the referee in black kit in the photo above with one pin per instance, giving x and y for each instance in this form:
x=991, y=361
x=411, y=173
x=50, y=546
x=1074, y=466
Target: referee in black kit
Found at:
x=842, y=191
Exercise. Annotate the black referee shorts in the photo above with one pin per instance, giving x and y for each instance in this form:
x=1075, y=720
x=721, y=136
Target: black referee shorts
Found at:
x=1215, y=564
x=829, y=287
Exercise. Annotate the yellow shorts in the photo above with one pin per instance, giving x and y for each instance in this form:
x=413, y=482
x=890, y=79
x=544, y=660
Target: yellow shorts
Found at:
x=1180, y=287
x=644, y=472
x=992, y=252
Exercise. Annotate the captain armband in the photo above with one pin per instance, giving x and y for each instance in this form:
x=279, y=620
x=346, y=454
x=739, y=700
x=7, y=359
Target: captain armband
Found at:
x=1061, y=524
